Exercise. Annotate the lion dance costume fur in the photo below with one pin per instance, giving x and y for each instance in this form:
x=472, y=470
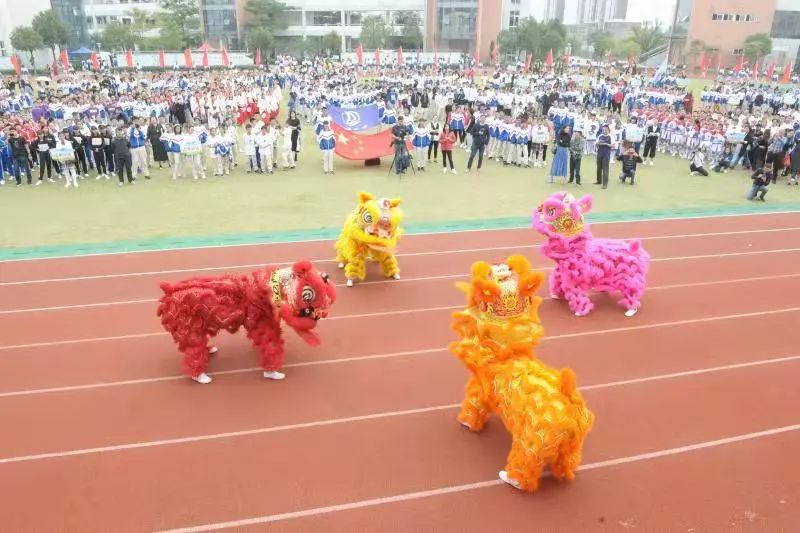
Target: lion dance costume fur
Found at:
x=540, y=406
x=584, y=263
x=370, y=233
x=195, y=310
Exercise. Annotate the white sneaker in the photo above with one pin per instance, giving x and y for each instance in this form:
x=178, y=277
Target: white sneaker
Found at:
x=274, y=375
x=508, y=479
x=213, y=350
x=631, y=312
x=396, y=276
x=444, y=171
x=38, y=183
x=68, y=185
x=76, y=184
x=454, y=171
x=203, y=378
x=341, y=265
x=349, y=282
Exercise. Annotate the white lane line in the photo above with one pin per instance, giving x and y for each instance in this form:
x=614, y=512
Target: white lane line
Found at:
x=404, y=280
x=444, y=232
x=455, y=489
x=362, y=418
x=424, y=310
x=411, y=254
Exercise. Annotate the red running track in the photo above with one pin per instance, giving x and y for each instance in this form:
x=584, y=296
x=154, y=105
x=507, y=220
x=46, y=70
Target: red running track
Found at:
x=696, y=397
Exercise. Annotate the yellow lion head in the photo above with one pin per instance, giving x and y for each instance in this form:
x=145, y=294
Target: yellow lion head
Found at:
x=376, y=222
x=502, y=305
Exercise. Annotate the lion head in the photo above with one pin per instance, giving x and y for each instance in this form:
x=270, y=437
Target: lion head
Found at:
x=303, y=296
x=377, y=221
x=562, y=214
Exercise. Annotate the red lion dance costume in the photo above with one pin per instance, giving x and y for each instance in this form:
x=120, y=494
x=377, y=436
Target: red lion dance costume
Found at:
x=540, y=406
x=195, y=310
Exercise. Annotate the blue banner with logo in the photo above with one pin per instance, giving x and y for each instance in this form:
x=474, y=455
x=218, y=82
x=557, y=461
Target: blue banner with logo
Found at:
x=356, y=118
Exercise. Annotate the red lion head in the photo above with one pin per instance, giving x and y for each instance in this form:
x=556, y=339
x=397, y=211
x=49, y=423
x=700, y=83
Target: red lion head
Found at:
x=303, y=296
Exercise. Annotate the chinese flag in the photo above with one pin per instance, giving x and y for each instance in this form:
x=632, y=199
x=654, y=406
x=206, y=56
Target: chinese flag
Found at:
x=357, y=147
x=16, y=64
x=258, y=56
x=360, y=55
x=400, y=56
x=162, y=62
x=65, y=60
x=787, y=73
x=129, y=58
x=95, y=61
x=225, y=59
x=205, y=56
x=549, y=61
x=187, y=56
x=528, y=62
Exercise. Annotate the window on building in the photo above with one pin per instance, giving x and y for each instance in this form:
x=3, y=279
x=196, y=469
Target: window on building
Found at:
x=101, y=20
x=291, y=17
x=325, y=18
x=714, y=16
x=126, y=20
x=738, y=51
x=749, y=18
x=737, y=18
x=513, y=18
x=515, y=2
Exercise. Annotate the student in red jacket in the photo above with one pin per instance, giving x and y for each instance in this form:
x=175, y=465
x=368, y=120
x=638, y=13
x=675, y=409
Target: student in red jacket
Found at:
x=447, y=139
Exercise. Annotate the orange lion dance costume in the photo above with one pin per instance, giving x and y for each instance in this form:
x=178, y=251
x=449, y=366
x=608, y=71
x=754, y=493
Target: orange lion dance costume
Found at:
x=540, y=406
x=195, y=310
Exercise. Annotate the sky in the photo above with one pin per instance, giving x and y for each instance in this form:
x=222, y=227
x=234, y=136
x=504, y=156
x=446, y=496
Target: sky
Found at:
x=645, y=10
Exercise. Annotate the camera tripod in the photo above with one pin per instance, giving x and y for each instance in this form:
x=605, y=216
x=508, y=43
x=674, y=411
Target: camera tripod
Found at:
x=403, y=153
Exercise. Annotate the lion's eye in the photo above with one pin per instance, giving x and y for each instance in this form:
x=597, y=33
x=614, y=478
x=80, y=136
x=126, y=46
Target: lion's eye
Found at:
x=308, y=294
x=551, y=212
x=367, y=217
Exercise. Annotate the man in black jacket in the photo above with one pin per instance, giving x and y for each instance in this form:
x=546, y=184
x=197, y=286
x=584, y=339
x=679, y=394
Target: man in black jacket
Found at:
x=480, y=137
x=122, y=156
x=18, y=149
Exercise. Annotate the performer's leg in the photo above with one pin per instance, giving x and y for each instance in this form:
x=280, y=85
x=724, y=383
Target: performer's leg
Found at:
x=474, y=412
x=389, y=266
x=266, y=337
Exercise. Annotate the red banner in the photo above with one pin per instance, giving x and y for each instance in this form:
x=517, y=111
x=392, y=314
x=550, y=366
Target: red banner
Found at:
x=162, y=62
x=400, y=56
x=95, y=61
x=528, y=62
x=360, y=55
x=787, y=73
x=187, y=56
x=65, y=60
x=258, y=56
x=129, y=58
x=771, y=71
x=358, y=147
x=205, y=56
x=225, y=59
x=16, y=64
x=377, y=57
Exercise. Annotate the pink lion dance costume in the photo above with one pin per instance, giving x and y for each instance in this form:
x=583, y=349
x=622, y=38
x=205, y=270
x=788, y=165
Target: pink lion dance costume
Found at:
x=584, y=263
x=195, y=310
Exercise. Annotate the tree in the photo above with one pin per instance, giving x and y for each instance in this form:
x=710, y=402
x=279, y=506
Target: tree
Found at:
x=757, y=45
x=649, y=36
x=410, y=32
x=140, y=22
x=332, y=42
x=28, y=39
x=374, y=32
x=169, y=38
x=262, y=21
x=181, y=17
x=118, y=36
x=52, y=29
x=627, y=48
x=603, y=42
x=510, y=41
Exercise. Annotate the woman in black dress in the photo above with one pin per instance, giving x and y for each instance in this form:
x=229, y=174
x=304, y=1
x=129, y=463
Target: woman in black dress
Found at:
x=154, y=132
x=293, y=123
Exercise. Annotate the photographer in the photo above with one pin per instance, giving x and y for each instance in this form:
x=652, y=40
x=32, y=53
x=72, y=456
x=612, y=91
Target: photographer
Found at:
x=399, y=133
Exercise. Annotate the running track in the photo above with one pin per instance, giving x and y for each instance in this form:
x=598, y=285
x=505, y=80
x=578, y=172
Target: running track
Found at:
x=697, y=403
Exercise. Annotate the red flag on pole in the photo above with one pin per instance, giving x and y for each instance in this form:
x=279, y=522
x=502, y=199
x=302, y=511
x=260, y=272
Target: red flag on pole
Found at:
x=549, y=61
x=787, y=73
x=129, y=58
x=162, y=61
x=95, y=61
x=400, y=56
x=739, y=64
x=225, y=59
x=258, y=56
x=360, y=55
x=528, y=61
x=187, y=56
x=771, y=71
x=377, y=58
x=16, y=64
x=755, y=70
x=65, y=59
x=205, y=55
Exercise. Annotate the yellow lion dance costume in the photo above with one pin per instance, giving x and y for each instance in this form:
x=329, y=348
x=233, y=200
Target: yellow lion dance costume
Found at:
x=540, y=406
x=370, y=233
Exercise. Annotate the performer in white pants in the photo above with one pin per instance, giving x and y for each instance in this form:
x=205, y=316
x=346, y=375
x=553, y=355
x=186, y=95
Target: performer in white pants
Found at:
x=420, y=140
x=327, y=144
x=138, y=139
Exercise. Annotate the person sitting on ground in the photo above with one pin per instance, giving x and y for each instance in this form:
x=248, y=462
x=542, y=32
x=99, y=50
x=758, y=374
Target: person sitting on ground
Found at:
x=629, y=159
x=697, y=163
x=760, y=179
x=725, y=161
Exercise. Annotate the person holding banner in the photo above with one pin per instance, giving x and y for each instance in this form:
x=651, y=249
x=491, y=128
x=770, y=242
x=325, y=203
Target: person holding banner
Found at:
x=191, y=153
x=64, y=154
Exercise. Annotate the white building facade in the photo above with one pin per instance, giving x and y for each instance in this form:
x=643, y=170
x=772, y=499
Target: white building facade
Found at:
x=785, y=32
x=14, y=13
x=100, y=13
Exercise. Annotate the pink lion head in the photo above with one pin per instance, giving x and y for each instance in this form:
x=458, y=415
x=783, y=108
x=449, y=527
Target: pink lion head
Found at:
x=561, y=214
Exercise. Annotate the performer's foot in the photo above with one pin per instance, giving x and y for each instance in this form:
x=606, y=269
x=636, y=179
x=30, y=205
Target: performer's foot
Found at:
x=555, y=297
x=506, y=478
x=341, y=265
x=581, y=313
x=349, y=282
x=213, y=350
x=274, y=375
x=396, y=276
x=465, y=425
x=203, y=378
x=631, y=312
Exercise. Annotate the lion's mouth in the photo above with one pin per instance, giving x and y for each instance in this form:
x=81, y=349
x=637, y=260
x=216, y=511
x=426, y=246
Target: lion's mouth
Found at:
x=381, y=232
x=314, y=314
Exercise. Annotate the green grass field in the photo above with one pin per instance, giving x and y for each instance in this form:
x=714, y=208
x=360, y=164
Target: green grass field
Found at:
x=306, y=199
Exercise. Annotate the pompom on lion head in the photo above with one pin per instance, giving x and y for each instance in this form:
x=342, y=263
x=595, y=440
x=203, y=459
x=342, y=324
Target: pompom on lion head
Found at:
x=377, y=221
x=303, y=295
x=562, y=214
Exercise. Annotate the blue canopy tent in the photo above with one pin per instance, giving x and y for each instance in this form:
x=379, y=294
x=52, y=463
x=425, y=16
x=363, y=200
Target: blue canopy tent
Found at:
x=80, y=51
